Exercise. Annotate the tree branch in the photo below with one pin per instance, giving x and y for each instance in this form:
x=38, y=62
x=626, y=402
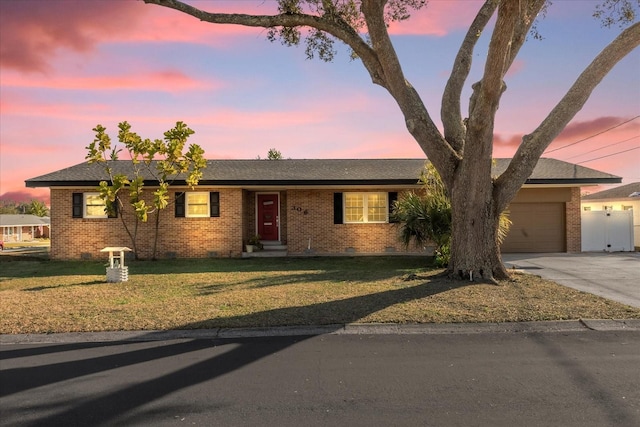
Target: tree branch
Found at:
x=334, y=25
x=534, y=144
x=417, y=118
x=450, y=113
x=487, y=93
x=526, y=20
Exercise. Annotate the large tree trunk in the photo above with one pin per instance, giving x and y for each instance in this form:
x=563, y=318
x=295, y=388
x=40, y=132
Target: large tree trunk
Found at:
x=475, y=254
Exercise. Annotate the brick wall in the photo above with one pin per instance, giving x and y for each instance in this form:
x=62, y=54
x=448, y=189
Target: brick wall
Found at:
x=306, y=218
x=310, y=222
x=76, y=238
x=574, y=222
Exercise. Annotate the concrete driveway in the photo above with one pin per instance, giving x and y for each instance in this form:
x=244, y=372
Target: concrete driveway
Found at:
x=615, y=276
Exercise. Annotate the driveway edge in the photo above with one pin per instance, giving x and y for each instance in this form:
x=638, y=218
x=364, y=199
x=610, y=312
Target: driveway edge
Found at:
x=339, y=329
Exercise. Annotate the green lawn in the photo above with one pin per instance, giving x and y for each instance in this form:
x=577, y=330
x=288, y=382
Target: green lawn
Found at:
x=42, y=296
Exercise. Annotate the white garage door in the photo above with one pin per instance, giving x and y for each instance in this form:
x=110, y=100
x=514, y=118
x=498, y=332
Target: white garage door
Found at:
x=537, y=227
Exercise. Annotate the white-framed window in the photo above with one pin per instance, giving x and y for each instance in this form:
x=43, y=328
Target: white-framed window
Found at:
x=366, y=207
x=627, y=208
x=197, y=204
x=94, y=206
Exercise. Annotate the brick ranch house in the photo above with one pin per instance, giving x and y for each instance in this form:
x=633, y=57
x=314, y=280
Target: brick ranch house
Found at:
x=300, y=207
x=23, y=228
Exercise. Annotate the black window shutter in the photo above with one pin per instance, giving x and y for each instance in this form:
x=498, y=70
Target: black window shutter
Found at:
x=112, y=209
x=180, y=205
x=214, y=203
x=337, y=208
x=393, y=197
x=77, y=200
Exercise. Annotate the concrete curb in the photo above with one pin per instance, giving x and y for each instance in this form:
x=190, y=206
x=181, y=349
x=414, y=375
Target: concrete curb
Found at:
x=601, y=325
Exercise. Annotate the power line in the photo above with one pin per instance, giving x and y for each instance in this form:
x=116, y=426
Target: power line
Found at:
x=592, y=136
x=608, y=155
x=602, y=148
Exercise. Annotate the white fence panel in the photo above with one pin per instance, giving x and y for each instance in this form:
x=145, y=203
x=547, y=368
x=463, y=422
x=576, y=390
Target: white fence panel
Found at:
x=610, y=231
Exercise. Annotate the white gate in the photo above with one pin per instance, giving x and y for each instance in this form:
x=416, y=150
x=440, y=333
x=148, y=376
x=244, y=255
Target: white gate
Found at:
x=610, y=231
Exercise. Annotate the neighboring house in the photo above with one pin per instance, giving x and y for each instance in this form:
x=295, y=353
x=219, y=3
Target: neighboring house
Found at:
x=301, y=207
x=23, y=228
x=623, y=198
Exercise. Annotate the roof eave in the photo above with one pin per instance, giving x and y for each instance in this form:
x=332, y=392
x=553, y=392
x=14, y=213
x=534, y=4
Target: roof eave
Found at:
x=242, y=183
x=574, y=181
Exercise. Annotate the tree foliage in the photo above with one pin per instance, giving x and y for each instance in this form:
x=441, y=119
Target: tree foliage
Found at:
x=34, y=207
x=273, y=154
x=617, y=12
x=162, y=160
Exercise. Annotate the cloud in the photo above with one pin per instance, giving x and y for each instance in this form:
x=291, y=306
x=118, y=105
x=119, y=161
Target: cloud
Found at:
x=32, y=32
x=168, y=80
x=25, y=196
x=438, y=18
x=578, y=130
x=512, y=142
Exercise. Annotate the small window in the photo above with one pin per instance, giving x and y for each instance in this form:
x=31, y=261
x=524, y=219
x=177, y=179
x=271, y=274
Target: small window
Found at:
x=586, y=208
x=366, y=207
x=94, y=206
x=627, y=208
x=197, y=204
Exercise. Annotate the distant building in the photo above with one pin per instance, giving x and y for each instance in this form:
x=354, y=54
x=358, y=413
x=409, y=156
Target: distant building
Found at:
x=23, y=228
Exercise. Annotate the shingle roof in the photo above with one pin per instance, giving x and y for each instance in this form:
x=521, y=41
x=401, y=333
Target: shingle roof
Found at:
x=622, y=192
x=11, y=220
x=319, y=172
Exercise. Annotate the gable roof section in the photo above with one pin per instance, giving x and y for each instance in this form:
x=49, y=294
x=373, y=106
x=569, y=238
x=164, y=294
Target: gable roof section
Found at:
x=622, y=192
x=318, y=172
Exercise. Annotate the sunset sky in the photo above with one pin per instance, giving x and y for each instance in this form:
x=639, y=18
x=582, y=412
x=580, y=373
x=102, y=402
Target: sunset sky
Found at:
x=69, y=65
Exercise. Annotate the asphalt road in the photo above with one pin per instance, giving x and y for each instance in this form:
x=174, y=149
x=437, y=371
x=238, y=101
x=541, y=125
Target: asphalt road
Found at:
x=571, y=378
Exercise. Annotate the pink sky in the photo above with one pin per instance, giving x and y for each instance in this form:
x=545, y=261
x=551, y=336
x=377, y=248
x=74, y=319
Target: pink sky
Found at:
x=67, y=65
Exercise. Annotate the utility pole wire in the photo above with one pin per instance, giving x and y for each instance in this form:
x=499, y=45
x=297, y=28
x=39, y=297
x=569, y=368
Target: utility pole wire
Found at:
x=608, y=155
x=602, y=148
x=592, y=136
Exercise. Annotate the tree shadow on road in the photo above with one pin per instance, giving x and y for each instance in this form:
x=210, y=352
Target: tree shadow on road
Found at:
x=117, y=406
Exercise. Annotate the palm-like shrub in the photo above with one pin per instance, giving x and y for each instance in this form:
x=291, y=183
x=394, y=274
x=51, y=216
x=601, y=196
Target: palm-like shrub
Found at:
x=425, y=217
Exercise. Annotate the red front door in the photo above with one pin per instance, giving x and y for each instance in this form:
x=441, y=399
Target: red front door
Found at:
x=268, y=219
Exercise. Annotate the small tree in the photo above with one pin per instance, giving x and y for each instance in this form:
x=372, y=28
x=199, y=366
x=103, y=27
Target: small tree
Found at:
x=37, y=208
x=163, y=160
x=274, y=154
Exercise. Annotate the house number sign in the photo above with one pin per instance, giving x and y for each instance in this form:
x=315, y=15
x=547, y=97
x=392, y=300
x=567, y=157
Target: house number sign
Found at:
x=299, y=209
